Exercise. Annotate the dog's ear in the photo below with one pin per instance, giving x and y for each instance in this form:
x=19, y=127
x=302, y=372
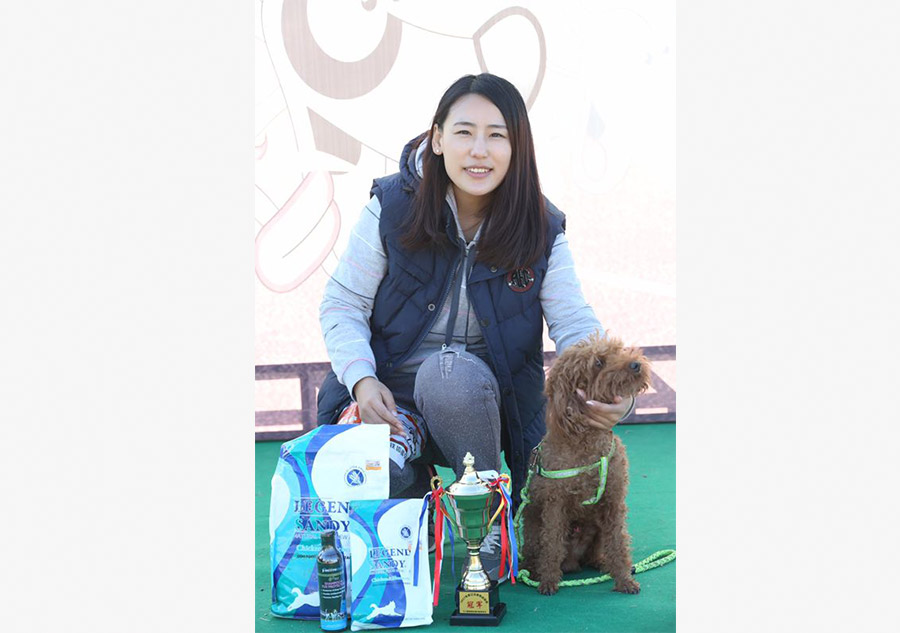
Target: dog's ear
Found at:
x=563, y=405
x=557, y=401
x=561, y=415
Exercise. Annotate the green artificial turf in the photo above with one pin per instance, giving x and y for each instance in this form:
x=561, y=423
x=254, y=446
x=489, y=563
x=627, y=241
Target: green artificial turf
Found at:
x=651, y=521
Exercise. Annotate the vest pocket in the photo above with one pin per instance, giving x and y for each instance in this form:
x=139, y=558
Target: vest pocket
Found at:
x=510, y=305
x=403, y=275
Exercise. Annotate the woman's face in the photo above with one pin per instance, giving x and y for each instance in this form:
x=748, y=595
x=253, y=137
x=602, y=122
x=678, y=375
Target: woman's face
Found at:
x=475, y=144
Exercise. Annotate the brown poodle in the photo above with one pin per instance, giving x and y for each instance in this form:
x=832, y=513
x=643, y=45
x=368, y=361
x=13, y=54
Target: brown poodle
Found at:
x=561, y=533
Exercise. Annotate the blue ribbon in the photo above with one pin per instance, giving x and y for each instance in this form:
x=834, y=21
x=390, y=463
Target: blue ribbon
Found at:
x=514, y=566
x=422, y=513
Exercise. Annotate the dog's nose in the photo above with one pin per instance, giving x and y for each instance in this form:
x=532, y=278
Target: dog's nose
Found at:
x=635, y=367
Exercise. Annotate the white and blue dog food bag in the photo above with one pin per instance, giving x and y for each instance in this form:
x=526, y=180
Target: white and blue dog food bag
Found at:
x=391, y=577
x=316, y=477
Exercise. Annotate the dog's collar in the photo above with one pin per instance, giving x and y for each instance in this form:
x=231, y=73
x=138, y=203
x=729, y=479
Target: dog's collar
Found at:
x=602, y=467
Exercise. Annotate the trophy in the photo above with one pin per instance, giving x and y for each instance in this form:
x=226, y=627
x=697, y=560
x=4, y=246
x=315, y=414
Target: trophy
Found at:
x=468, y=503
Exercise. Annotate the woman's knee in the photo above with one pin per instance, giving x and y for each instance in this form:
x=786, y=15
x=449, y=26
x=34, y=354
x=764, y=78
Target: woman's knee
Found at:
x=455, y=378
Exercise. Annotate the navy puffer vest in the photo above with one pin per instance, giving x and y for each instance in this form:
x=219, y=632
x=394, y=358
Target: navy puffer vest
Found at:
x=416, y=285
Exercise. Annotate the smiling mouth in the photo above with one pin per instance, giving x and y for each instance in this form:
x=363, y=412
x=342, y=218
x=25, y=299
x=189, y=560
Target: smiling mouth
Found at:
x=478, y=171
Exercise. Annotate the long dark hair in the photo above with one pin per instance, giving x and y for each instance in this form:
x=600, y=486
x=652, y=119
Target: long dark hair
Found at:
x=515, y=230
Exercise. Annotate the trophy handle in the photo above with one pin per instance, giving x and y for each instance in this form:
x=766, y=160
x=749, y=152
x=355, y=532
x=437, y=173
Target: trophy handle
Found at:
x=500, y=509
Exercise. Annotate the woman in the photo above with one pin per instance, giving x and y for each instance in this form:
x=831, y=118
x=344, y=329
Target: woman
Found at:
x=433, y=319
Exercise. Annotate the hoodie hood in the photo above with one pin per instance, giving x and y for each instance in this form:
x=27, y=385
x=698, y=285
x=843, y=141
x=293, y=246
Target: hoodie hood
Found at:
x=410, y=167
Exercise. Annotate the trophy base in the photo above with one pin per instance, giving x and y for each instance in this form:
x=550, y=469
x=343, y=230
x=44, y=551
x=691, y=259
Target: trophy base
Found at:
x=478, y=608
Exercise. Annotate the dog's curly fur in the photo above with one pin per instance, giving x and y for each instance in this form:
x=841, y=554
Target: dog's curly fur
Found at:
x=561, y=534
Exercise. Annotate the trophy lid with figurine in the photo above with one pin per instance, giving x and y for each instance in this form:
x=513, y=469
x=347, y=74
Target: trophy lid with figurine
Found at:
x=469, y=484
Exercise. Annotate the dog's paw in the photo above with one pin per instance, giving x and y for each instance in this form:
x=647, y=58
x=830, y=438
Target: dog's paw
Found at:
x=549, y=587
x=629, y=585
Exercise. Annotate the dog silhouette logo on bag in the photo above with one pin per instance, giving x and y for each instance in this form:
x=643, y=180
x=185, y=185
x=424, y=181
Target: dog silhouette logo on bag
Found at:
x=520, y=280
x=354, y=477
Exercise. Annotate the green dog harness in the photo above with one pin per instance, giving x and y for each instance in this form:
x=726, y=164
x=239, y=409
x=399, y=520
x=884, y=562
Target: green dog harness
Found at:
x=602, y=467
x=655, y=560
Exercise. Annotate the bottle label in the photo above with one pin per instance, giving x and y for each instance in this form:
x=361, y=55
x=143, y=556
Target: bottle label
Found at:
x=332, y=597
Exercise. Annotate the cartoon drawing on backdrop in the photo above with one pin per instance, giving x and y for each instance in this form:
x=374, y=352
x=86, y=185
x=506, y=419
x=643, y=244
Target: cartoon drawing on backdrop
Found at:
x=600, y=105
x=314, y=138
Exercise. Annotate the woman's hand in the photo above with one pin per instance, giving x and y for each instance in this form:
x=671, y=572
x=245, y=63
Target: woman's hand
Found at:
x=376, y=404
x=601, y=415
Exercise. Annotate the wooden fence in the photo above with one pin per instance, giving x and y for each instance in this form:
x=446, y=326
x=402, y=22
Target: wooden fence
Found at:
x=657, y=405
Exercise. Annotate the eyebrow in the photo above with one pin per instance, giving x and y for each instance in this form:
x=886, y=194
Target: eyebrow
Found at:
x=469, y=123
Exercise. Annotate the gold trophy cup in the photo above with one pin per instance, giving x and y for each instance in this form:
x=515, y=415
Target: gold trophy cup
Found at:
x=468, y=504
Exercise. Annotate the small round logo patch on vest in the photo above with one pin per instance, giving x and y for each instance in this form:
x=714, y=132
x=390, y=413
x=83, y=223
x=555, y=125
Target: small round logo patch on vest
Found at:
x=520, y=279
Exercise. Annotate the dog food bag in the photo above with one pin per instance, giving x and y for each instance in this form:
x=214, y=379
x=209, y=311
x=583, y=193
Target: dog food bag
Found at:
x=403, y=449
x=385, y=537
x=317, y=476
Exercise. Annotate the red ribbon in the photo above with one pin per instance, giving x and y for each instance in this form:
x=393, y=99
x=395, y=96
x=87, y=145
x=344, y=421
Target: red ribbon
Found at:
x=503, y=541
x=438, y=540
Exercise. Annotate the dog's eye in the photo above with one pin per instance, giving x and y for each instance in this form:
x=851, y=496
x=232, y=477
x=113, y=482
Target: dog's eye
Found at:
x=599, y=362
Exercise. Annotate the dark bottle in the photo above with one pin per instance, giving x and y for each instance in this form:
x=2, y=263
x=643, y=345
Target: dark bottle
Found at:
x=332, y=585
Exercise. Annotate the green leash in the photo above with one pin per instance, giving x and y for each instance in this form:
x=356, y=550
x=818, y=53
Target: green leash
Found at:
x=657, y=559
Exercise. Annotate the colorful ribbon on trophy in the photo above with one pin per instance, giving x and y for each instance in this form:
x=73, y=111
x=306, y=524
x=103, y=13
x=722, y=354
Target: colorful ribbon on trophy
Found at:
x=435, y=495
x=440, y=517
x=508, y=547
